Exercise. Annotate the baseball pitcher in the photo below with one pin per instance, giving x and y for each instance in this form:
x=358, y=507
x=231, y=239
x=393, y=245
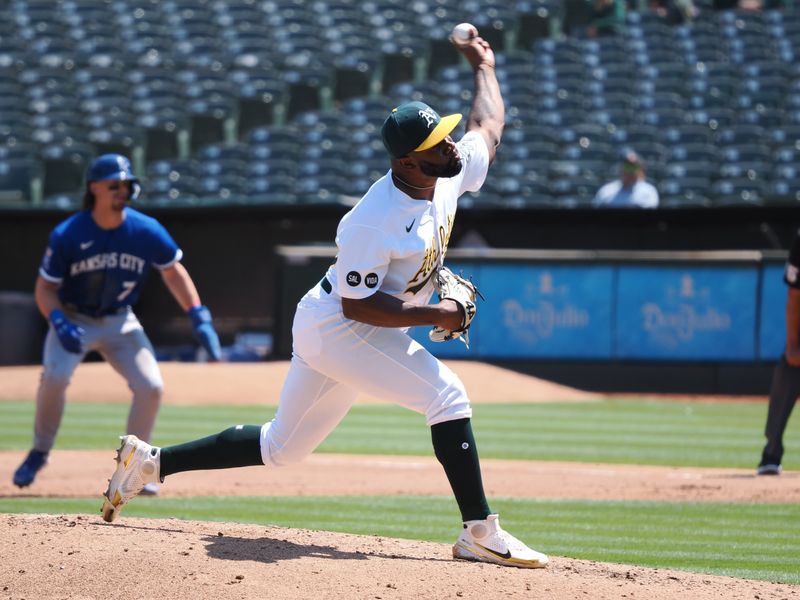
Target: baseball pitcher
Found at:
x=350, y=331
x=89, y=278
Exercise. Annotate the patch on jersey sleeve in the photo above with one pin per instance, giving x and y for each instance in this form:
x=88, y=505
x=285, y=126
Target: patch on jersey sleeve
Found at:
x=353, y=278
x=371, y=280
x=791, y=273
x=46, y=260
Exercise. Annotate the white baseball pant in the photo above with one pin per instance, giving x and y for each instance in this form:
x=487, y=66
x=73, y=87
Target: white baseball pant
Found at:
x=334, y=359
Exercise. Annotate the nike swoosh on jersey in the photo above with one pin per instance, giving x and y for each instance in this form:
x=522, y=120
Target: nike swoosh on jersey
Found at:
x=85, y=245
x=408, y=229
x=507, y=554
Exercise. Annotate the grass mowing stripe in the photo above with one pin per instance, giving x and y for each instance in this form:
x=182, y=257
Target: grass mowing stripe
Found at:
x=616, y=431
x=716, y=538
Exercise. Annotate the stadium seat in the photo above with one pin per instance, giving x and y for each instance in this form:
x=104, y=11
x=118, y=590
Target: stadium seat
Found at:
x=689, y=201
x=706, y=153
x=587, y=151
x=634, y=135
x=737, y=192
x=564, y=202
x=161, y=133
x=783, y=191
x=787, y=154
x=712, y=116
x=322, y=188
x=116, y=138
x=305, y=89
x=517, y=133
x=737, y=135
x=763, y=116
x=171, y=191
x=690, y=170
x=272, y=167
x=17, y=150
x=611, y=100
x=17, y=178
x=533, y=150
x=661, y=118
x=662, y=101
x=64, y=166
x=684, y=186
x=687, y=134
x=576, y=189
x=222, y=152
x=63, y=201
x=271, y=190
x=173, y=170
x=752, y=152
x=222, y=187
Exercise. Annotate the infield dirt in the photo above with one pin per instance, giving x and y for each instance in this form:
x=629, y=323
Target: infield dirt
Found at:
x=80, y=557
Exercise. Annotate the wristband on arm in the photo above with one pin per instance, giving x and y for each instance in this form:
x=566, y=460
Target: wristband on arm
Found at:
x=204, y=331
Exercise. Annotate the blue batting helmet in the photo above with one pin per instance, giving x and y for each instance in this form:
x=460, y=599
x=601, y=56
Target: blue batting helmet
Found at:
x=114, y=167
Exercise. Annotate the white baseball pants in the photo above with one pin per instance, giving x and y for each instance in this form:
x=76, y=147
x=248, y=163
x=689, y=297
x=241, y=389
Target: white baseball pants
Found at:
x=334, y=359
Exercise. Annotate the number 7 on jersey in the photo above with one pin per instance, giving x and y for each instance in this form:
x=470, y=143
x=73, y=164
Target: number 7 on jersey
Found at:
x=127, y=288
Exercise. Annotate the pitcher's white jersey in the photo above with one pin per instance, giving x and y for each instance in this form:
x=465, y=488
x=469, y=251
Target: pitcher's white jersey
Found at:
x=386, y=242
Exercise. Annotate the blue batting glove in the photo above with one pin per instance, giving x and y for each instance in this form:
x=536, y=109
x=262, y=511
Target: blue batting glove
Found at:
x=69, y=334
x=204, y=331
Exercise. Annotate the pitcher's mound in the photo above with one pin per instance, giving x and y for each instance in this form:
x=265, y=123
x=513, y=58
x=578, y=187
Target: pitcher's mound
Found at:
x=82, y=557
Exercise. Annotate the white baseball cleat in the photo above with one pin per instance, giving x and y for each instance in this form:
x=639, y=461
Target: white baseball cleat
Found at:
x=485, y=541
x=138, y=464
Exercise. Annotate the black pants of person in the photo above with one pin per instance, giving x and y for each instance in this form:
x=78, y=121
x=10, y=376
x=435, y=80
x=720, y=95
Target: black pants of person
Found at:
x=782, y=397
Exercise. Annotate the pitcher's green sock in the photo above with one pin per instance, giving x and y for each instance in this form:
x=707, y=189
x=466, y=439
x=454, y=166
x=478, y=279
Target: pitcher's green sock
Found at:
x=454, y=446
x=238, y=446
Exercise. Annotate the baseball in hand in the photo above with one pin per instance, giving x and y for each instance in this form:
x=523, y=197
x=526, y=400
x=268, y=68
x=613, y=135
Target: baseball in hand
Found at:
x=463, y=34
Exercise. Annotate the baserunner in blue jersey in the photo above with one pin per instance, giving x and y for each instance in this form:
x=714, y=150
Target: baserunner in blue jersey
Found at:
x=90, y=277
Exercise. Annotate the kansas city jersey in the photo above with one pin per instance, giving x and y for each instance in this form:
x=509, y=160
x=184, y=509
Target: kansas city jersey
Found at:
x=101, y=270
x=388, y=240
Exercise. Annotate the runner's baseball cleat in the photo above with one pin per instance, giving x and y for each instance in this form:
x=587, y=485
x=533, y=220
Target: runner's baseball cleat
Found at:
x=27, y=471
x=137, y=466
x=769, y=468
x=485, y=541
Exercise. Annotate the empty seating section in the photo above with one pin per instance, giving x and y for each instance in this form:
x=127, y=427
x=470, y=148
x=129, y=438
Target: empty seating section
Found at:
x=277, y=102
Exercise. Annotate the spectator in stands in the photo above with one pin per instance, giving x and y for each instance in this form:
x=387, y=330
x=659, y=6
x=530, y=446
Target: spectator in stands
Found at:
x=630, y=190
x=752, y=5
x=674, y=12
x=608, y=18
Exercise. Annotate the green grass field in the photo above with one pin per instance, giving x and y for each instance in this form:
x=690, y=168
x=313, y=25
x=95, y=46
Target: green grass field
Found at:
x=760, y=541
x=615, y=431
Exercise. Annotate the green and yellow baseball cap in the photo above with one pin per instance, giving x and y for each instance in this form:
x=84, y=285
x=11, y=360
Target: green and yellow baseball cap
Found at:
x=414, y=127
